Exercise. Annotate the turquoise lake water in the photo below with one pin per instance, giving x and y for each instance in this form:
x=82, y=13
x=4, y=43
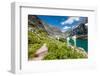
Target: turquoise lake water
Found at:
x=83, y=43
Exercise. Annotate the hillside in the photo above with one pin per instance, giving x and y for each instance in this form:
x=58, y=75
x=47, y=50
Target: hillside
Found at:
x=56, y=49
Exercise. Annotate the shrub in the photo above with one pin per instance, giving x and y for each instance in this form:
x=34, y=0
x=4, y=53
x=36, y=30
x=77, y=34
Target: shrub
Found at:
x=57, y=49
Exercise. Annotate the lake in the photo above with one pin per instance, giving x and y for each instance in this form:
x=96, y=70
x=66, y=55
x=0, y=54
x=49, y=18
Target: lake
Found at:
x=82, y=43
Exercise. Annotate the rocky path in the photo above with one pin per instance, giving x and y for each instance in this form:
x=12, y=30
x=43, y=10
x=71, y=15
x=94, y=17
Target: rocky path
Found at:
x=41, y=52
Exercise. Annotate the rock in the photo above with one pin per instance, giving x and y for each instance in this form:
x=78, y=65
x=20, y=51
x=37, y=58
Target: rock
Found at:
x=40, y=53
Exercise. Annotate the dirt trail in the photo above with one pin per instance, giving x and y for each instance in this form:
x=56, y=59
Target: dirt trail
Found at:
x=41, y=52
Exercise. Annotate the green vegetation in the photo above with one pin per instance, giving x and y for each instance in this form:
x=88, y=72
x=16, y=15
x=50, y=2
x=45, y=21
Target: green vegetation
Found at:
x=57, y=49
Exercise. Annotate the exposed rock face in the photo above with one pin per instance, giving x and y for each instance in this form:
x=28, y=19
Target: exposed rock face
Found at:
x=81, y=29
x=34, y=23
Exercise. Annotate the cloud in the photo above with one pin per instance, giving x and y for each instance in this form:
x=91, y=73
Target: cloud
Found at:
x=65, y=28
x=70, y=20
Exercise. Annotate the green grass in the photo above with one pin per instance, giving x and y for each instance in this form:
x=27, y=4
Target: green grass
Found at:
x=57, y=49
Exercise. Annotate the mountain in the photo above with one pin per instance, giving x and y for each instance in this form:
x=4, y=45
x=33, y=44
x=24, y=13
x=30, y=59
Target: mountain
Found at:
x=52, y=31
x=36, y=23
x=80, y=31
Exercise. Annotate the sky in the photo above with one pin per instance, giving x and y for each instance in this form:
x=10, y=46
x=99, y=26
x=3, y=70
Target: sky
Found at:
x=64, y=23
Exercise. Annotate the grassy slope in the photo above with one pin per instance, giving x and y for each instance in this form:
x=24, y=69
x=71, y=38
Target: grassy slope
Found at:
x=56, y=49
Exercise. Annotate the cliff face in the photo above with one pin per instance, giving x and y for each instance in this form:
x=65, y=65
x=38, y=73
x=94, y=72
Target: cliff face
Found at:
x=34, y=23
x=81, y=29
